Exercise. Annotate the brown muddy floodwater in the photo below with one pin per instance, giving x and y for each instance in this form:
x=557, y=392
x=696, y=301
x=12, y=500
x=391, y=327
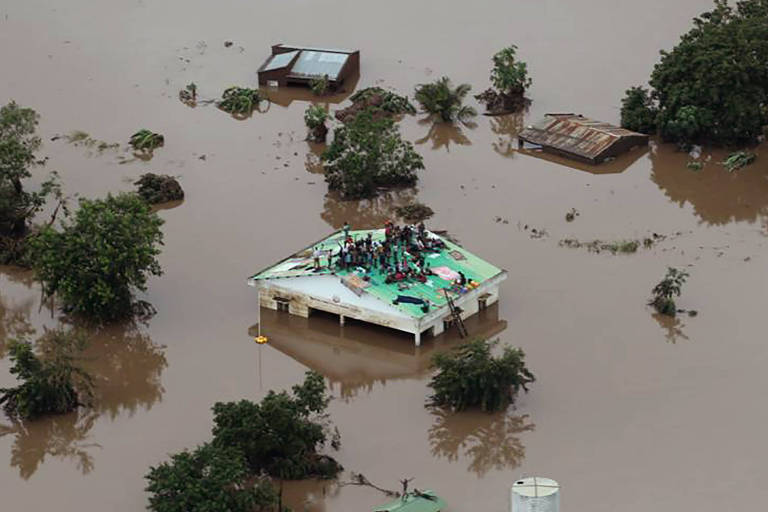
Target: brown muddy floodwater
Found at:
x=630, y=412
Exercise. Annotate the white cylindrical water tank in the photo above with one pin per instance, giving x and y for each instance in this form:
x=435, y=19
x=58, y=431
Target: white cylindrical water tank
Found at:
x=535, y=494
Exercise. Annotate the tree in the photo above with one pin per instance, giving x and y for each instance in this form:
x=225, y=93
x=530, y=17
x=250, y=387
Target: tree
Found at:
x=638, y=112
x=209, y=479
x=241, y=101
x=96, y=261
x=281, y=434
x=713, y=86
x=18, y=144
x=440, y=98
x=509, y=75
x=669, y=287
x=470, y=376
x=315, y=117
x=368, y=153
x=52, y=382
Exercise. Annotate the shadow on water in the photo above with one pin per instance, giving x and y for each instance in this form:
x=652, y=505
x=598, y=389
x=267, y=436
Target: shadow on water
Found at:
x=717, y=196
x=309, y=495
x=284, y=96
x=487, y=441
x=366, y=213
x=358, y=355
x=672, y=326
x=442, y=135
x=506, y=128
x=14, y=320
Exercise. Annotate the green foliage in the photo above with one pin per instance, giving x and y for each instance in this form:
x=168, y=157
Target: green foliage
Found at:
x=668, y=288
x=159, y=188
x=638, y=112
x=240, y=101
x=509, y=75
x=188, y=95
x=440, y=98
x=695, y=165
x=384, y=99
x=281, y=434
x=320, y=86
x=713, y=86
x=470, y=376
x=96, y=260
x=368, y=153
x=739, y=159
x=209, y=479
x=146, y=141
x=315, y=116
x=52, y=382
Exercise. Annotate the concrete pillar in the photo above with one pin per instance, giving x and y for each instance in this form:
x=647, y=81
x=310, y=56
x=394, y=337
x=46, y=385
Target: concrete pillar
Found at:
x=417, y=338
x=341, y=319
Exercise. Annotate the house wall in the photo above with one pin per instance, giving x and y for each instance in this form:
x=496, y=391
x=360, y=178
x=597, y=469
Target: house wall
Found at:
x=278, y=75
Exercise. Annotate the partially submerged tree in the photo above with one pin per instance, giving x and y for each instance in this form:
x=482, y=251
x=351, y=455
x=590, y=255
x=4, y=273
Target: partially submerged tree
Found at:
x=159, y=188
x=241, y=101
x=96, y=261
x=378, y=101
x=441, y=99
x=211, y=478
x=315, y=117
x=280, y=435
x=668, y=288
x=638, y=112
x=470, y=376
x=320, y=86
x=52, y=382
x=713, y=86
x=510, y=80
x=18, y=205
x=146, y=141
x=366, y=154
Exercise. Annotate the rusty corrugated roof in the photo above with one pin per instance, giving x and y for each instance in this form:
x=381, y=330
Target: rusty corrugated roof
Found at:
x=575, y=134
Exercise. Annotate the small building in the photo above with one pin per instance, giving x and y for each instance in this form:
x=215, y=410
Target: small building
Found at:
x=298, y=65
x=294, y=285
x=580, y=138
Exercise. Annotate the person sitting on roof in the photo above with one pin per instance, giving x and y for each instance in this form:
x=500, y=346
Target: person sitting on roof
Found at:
x=462, y=280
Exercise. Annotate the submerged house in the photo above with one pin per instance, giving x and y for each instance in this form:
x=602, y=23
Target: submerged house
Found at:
x=296, y=286
x=298, y=65
x=580, y=138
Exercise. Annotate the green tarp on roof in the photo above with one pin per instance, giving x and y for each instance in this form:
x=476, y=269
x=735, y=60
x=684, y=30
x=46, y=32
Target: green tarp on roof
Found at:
x=447, y=263
x=426, y=501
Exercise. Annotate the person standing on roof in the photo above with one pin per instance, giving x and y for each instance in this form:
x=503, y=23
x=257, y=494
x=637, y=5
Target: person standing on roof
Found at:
x=316, y=256
x=346, y=230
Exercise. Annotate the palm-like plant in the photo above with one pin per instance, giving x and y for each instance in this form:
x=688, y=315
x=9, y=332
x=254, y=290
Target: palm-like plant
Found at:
x=442, y=99
x=665, y=291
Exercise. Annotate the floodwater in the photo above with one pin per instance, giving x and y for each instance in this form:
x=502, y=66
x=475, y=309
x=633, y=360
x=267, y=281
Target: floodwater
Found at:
x=630, y=412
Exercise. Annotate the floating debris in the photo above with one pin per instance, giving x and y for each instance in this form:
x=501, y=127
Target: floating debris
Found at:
x=571, y=215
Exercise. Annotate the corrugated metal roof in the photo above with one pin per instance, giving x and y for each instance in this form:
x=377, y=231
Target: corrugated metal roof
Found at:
x=318, y=64
x=575, y=134
x=426, y=501
x=278, y=61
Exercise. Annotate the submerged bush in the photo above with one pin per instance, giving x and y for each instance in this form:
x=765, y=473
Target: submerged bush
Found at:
x=739, y=159
x=98, y=258
x=210, y=478
x=510, y=80
x=415, y=212
x=240, y=101
x=320, y=86
x=366, y=154
x=638, y=112
x=441, y=99
x=52, y=382
x=146, y=141
x=713, y=86
x=315, y=117
x=280, y=435
x=159, y=188
x=470, y=376
x=668, y=288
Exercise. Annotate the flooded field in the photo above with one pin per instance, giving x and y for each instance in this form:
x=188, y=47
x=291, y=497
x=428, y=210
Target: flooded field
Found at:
x=631, y=412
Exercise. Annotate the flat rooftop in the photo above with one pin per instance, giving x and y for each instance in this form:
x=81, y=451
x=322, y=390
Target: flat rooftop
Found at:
x=445, y=265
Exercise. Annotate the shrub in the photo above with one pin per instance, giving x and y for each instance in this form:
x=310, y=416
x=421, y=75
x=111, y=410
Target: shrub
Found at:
x=739, y=159
x=96, y=261
x=713, y=86
x=440, y=98
x=368, y=153
x=638, y=112
x=159, y=188
x=379, y=102
x=664, y=292
x=240, y=101
x=315, y=117
x=146, y=141
x=509, y=75
x=52, y=382
x=211, y=478
x=281, y=434
x=320, y=86
x=470, y=376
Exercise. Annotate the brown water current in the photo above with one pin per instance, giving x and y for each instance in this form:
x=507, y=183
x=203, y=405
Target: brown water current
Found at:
x=630, y=412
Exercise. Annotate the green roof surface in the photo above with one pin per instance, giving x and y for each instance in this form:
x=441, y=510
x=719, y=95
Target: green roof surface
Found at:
x=426, y=501
x=447, y=263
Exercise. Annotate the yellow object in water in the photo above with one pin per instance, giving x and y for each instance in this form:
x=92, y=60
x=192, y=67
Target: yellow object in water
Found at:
x=261, y=339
